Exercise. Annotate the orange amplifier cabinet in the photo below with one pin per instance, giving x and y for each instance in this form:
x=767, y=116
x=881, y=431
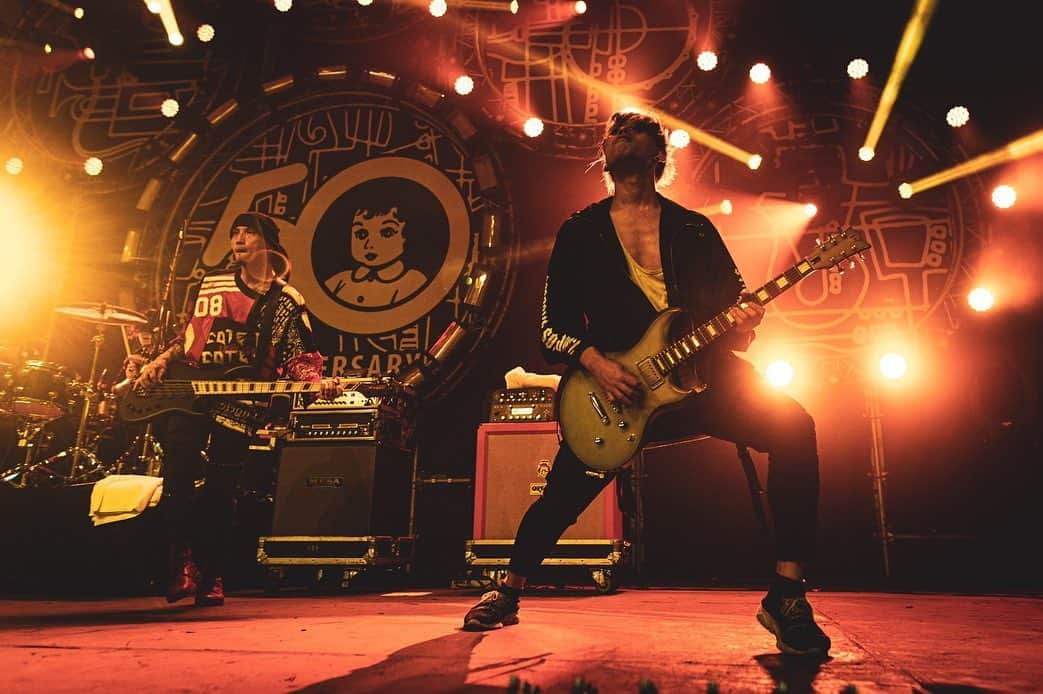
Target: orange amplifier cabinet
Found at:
x=511, y=466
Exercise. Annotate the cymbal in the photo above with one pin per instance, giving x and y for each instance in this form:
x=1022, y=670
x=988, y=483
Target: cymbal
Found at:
x=104, y=314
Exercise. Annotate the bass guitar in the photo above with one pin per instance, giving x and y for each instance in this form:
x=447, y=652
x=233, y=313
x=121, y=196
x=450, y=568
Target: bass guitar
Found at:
x=605, y=435
x=185, y=389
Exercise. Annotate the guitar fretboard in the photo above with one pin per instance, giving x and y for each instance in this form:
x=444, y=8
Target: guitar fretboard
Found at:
x=681, y=350
x=252, y=387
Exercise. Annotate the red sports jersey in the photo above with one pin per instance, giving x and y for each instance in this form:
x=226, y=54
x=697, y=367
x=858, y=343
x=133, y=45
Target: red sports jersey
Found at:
x=219, y=331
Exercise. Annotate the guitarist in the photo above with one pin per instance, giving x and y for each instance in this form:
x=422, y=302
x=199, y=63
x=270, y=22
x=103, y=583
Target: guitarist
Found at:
x=248, y=316
x=614, y=265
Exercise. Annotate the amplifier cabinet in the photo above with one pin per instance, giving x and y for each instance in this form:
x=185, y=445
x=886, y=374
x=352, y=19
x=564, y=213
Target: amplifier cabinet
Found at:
x=342, y=489
x=511, y=467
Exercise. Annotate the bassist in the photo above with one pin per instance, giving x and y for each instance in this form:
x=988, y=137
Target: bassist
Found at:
x=614, y=266
x=248, y=316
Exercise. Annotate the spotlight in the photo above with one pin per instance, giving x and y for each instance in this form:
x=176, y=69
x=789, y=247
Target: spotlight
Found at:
x=726, y=206
x=283, y=5
x=810, y=210
x=580, y=7
x=514, y=6
x=92, y=166
x=857, y=69
x=78, y=13
x=87, y=53
x=760, y=73
x=533, y=127
x=47, y=48
x=905, y=191
x=463, y=85
x=365, y=3
x=14, y=166
x=205, y=33
x=980, y=299
x=154, y=6
x=957, y=116
x=175, y=39
x=680, y=138
x=437, y=8
x=755, y=162
x=169, y=107
x=893, y=366
x=866, y=153
x=707, y=60
x=779, y=374
x=1004, y=196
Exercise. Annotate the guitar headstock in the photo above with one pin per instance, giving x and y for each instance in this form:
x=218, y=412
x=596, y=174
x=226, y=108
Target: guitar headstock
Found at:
x=837, y=247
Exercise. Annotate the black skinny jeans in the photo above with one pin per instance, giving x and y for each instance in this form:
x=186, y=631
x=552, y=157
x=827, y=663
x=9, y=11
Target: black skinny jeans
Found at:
x=203, y=523
x=746, y=414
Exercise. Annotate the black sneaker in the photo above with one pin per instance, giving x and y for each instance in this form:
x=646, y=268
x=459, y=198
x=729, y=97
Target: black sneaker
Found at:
x=793, y=624
x=494, y=610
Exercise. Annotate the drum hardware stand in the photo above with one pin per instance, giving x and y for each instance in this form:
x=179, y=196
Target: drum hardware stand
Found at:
x=147, y=455
x=94, y=469
x=29, y=434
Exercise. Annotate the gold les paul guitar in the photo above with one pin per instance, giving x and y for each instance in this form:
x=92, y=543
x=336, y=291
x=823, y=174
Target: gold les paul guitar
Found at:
x=604, y=435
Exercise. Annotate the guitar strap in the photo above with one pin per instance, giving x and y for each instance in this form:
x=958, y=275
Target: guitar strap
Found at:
x=263, y=315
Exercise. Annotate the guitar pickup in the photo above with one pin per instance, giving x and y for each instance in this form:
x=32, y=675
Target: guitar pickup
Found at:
x=651, y=375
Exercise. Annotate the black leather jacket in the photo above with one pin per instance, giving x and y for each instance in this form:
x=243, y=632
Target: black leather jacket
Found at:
x=590, y=300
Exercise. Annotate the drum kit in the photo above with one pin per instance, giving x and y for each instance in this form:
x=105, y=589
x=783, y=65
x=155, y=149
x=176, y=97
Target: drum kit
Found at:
x=38, y=397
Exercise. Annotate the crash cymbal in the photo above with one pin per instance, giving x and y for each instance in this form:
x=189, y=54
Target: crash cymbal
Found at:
x=104, y=314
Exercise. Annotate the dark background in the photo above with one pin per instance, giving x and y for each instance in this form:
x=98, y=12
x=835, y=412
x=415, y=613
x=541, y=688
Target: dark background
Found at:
x=963, y=454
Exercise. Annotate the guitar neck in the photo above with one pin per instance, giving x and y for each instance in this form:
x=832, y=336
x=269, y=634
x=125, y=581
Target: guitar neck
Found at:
x=683, y=349
x=265, y=387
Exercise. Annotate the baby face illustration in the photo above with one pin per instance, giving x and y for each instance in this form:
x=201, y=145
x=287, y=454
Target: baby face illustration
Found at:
x=377, y=239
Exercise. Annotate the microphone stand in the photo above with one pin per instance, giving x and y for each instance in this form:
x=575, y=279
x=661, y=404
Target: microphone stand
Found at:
x=149, y=452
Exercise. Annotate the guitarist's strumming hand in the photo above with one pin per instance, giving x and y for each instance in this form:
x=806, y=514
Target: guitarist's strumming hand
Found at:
x=152, y=372
x=619, y=384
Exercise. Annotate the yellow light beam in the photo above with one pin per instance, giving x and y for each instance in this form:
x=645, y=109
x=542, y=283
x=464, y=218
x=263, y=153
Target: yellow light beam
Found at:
x=1018, y=149
x=907, y=48
x=166, y=15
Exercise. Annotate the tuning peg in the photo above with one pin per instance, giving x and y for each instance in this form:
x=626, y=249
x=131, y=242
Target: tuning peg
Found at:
x=851, y=266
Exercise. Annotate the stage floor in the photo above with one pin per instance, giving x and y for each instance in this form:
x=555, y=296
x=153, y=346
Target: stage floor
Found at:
x=680, y=640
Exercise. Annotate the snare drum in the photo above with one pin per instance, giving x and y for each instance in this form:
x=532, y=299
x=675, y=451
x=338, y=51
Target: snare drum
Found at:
x=40, y=390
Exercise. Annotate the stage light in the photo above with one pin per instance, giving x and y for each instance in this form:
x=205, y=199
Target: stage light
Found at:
x=857, y=69
x=47, y=48
x=707, y=60
x=78, y=13
x=205, y=33
x=957, y=116
x=437, y=8
x=893, y=366
x=905, y=191
x=87, y=53
x=779, y=373
x=760, y=73
x=169, y=107
x=513, y=7
x=154, y=6
x=866, y=153
x=810, y=210
x=14, y=166
x=283, y=5
x=365, y=3
x=1004, y=196
x=533, y=127
x=581, y=7
x=93, y=166
x=726, y=206
x=680, y=138
x=980, y=299
x=175, y=39
x=754, y=162
x=463, y=85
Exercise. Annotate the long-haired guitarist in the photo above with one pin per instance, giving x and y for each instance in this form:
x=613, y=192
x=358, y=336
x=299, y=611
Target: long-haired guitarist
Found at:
x=614, y=266
x=248, y=316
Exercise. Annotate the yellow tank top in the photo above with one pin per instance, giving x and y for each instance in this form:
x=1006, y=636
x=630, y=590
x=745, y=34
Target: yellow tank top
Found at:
x=651, y=283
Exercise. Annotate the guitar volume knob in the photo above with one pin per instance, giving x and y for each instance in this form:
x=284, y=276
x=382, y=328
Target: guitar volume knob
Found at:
x=598, y=440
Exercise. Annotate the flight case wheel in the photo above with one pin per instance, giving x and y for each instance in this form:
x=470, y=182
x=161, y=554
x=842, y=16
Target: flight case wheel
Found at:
x=605, y=581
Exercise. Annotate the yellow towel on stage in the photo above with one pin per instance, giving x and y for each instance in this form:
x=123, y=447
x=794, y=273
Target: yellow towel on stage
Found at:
x=119, y=497
x=520, y=378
